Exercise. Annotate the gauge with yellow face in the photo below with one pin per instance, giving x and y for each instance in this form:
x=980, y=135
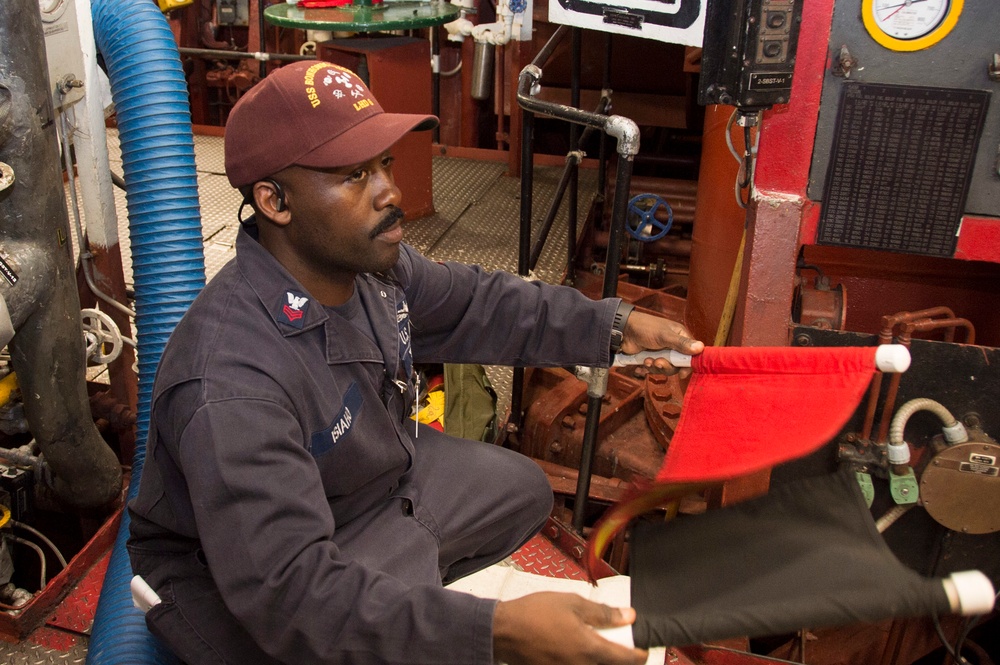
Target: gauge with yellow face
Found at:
x=909, y=25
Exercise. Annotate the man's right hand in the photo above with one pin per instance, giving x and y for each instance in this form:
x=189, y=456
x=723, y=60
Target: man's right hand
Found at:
x=550, y=628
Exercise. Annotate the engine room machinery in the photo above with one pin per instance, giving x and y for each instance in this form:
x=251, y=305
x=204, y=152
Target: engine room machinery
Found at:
x=865, y=212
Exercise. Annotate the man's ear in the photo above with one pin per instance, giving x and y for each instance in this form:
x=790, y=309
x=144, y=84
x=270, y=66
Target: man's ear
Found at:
x=270, y=200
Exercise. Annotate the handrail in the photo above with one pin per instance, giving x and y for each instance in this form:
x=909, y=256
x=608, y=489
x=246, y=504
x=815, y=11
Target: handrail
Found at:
x=573, y=160
x=626, y=132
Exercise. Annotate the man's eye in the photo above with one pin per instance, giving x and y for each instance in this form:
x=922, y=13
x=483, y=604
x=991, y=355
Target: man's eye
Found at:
x=387, y=161
x=358, y=175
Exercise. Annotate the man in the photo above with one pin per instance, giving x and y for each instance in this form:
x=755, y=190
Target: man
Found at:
x=289, y=510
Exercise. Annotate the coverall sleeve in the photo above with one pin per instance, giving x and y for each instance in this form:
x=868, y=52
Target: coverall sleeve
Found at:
x=464, y=314
x=266, y=531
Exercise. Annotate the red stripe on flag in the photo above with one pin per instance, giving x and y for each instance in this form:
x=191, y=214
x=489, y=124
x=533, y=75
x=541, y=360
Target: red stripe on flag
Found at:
x=750, y=408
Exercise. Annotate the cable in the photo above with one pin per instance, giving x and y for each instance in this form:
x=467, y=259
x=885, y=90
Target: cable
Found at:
x=85, y=256
x=452, y=72
x=41, y=555
x=43, y=538
x=970, y=623
x=744, y=177
x=959, y=660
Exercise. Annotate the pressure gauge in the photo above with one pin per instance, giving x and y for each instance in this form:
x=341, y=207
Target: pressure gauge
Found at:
x=909, y=25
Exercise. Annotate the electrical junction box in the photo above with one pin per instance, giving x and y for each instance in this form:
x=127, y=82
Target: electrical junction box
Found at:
x=19, y=484
x=225, y=10
x=750, y=56
x=232, y=12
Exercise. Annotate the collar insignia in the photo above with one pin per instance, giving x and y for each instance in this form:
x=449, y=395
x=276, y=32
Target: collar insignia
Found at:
x=293, y=309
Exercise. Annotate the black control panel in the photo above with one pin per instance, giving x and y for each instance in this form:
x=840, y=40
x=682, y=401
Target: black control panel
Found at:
x=749, y=52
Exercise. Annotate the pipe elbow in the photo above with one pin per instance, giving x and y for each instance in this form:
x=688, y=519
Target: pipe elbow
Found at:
x=492, y=33
x=627, y=133
x=459, y=29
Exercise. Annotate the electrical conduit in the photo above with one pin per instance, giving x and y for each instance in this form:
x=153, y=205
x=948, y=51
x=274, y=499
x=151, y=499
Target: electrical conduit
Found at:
x=154, y=122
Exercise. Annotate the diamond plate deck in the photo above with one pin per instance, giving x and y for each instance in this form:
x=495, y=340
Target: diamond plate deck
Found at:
x=541, y=557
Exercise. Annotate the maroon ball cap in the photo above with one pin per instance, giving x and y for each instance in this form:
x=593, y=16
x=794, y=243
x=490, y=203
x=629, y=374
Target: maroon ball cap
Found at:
x=310, y=113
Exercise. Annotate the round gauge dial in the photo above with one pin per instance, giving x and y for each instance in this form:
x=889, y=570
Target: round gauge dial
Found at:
x=910, y=25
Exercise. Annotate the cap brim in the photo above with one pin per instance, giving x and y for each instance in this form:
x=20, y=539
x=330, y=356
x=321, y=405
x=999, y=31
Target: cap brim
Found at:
x=366, y=140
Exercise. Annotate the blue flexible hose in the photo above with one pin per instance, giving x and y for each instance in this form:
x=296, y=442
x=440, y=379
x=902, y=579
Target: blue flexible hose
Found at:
x=154, y=122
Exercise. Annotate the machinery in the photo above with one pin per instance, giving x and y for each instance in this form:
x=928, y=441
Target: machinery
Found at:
x=813, y=174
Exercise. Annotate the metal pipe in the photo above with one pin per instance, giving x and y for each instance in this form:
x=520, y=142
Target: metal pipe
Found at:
x=586, y=461
x=523, y=249
x=602, y=152
x=42, y=299
x=543, y=234
x=889, y=323
x=482, y=70
x=908, y=327
x=545, y=53
x=574, y=168
x=568, y=175
x=611, y=269
x=261, y=5
x=435, y=81
x=242, y=55
x=627, y=134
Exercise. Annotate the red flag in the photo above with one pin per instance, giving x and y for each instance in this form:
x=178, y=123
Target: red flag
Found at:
x=748, y=409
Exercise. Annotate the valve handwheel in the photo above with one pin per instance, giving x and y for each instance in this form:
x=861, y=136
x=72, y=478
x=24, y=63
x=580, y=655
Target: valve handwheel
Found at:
x=642, y=223
x=103, y=339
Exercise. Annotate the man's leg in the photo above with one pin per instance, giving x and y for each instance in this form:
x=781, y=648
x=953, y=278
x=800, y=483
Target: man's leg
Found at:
x=481, y=501
x=191, y=619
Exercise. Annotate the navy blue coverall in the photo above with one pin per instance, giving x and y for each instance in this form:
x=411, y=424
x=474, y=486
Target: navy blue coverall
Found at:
x=288, y=513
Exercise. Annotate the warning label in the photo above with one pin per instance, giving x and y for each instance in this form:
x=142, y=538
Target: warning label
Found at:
x=982, y=469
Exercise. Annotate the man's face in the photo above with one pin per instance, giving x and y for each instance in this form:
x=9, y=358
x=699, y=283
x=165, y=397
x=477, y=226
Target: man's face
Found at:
x=344, y=220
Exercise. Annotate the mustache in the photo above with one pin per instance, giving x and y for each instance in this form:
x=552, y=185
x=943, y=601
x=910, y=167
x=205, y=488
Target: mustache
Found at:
x=394, y=215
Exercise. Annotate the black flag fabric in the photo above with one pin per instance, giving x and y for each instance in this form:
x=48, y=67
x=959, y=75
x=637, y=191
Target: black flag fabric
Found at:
x=806, y=555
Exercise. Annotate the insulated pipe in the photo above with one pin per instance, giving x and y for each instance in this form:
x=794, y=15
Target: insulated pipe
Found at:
x=954, y=431
x=40, y=291
x=150, y=94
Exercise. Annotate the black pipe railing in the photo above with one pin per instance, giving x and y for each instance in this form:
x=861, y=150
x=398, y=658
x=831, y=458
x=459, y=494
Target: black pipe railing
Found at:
x=435, y=40
x=524, y=236
x=627, y=134
x=566, y=184
x=574, y=148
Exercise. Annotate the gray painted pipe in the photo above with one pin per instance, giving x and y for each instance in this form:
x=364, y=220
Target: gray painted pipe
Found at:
x=47, y=350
